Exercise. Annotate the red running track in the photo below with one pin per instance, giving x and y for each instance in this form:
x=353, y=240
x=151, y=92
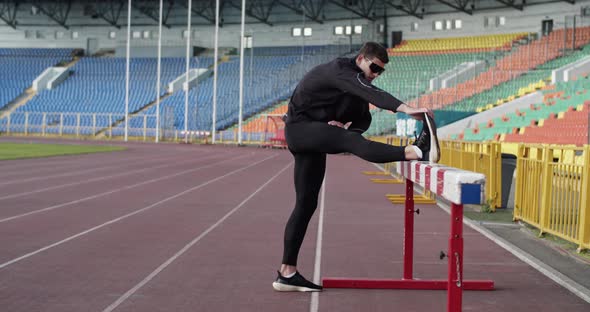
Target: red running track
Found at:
x=199, y=228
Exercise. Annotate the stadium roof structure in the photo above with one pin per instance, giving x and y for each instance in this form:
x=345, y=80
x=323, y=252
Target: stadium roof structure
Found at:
x=79, y=13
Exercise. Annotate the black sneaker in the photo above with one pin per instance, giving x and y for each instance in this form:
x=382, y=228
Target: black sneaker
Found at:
x=423, y=142
x=427, y=141
x=294, y=283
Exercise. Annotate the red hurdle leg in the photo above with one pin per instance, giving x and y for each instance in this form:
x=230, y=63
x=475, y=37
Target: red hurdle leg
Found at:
x=409, y=231
x=455, y=285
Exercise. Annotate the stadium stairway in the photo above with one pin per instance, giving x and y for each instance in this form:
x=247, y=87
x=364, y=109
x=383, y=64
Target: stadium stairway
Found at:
x=143, y=110
x=21, y=100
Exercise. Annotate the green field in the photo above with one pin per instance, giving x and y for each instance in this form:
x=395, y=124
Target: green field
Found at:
x=36, y=150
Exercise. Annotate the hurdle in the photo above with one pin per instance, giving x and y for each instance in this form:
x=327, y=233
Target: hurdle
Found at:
x=458, y=187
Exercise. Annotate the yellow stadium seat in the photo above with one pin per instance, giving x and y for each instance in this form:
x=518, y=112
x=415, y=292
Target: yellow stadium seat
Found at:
x=458, y=43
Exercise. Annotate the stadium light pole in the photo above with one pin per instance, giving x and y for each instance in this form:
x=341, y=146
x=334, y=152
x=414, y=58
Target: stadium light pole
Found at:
x=251, y=46
x=188, y=42
x=302, y=32
x=241, y=73
x=127, y=70
x=159, y=73
x=215, y=55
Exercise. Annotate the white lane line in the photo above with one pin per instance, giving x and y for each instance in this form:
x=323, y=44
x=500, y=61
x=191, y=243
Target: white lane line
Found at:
x=65, y=240
x=96, y=179
x=70, y=173
x=315, y=298
x=115, y=190
x=163, y=266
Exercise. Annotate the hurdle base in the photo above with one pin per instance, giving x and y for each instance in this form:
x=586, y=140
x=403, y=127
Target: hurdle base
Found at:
x=377, y=173
x=388, y=181
x=401, y=198
x=403, y=284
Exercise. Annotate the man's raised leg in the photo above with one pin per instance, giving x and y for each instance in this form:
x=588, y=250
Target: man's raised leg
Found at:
x=322, y=137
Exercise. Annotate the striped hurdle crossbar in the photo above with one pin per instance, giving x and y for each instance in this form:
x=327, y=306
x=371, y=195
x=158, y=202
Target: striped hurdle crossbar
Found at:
x=455, y=185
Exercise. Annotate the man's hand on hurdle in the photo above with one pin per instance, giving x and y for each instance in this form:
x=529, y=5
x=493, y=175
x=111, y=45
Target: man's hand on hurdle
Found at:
x=416, y=113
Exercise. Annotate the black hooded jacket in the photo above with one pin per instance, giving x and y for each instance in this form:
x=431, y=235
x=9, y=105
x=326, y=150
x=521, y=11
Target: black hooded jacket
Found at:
x=338, y=90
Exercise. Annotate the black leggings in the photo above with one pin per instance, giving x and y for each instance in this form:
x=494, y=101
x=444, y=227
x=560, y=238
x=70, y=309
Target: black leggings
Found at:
x=309, y=142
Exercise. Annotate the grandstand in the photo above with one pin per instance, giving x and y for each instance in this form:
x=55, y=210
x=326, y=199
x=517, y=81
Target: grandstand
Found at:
x=481, y=72
x=461, y=75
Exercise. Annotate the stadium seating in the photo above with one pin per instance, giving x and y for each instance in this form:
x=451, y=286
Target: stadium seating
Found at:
x=26, y=52
x=21, y=66
x=521, y=61
x=408, y=73
x=408, y=77
x=274, y=75
x=97, y=86
x=457, y=44
x=261, y=89
x=567, y=121
x=412, y=65
x=561, y=119
x=503, y=92
x=285, y=51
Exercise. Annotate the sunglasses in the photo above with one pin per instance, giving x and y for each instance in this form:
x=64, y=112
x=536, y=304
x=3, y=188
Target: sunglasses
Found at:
x=376, y=69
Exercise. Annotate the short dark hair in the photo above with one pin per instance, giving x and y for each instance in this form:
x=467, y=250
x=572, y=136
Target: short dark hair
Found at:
x=373, y=49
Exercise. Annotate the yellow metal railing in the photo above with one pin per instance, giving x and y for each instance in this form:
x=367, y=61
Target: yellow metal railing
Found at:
x=552, y=187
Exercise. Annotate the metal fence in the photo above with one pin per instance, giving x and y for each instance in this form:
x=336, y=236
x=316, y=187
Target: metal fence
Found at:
x=552, y=190
x=111, y=126
x=77, y=125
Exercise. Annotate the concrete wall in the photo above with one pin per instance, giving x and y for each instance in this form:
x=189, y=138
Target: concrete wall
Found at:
x=528, y=20
x=571, y=71
x=580, y=68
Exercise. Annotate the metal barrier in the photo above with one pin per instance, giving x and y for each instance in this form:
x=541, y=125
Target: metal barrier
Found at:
x=99, y=125
x=552, y=187
x=111, y=126
x=455, y=185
